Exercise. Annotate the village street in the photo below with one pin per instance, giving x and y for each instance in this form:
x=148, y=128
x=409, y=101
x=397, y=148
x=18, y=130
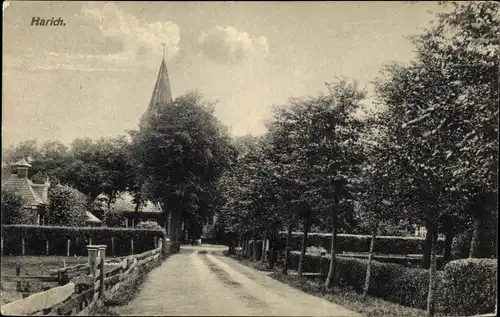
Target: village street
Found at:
x=193, y=283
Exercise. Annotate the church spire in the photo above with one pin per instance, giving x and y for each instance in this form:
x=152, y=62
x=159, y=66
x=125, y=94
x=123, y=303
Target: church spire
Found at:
x=162, y=94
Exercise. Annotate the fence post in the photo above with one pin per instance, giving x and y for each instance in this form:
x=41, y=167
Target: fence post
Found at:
x=2, y=244
x=68, y=245
x=132, y=246
x=18, y=273
x=113, y=246
x=102, y=254
x=22, y=246
x=92, y=256
x=47, y=247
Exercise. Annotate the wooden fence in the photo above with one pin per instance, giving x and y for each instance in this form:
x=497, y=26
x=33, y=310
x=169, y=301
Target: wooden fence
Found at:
x=81, y=286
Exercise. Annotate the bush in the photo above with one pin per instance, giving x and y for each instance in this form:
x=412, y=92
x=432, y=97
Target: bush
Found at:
x=465, y=287
x=67, y=207
x=13, y=211
x=469, y=287
x=151, y=225
x=35, y=238
x=359, y=243
x=393, y=282
x=114, y=218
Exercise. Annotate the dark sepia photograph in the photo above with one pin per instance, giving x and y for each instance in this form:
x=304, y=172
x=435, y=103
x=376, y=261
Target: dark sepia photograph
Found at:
x=250, y=158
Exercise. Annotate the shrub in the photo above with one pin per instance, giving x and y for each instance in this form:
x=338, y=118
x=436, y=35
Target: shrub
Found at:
x=151, y=225
x=114, y=218
x=13, y=211
x=465, y=287
x=35, y=238
x=469, y=287
x=393, y=282
x=359, y=243
x=66, y=207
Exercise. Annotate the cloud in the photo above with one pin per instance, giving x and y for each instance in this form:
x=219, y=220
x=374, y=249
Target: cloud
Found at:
x=124, y=33
x=229, y=46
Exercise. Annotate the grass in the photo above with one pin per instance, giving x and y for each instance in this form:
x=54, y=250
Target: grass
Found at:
x=125, y=292
x=31, y=265
x=348, y=298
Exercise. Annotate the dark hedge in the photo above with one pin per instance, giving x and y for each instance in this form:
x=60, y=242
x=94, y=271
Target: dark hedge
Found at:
x=35, y=238
x=465, y=287
x=359, y=243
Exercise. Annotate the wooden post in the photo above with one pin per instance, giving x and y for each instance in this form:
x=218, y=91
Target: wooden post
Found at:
x=18, y=273
x=132, y=246
x=68, y=245
x=113, y=246
x=22, y=246
x=47, y=247
x=102, y=251
x=92, y=256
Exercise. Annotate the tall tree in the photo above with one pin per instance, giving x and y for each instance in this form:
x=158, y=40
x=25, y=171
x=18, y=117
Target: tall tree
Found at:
x=182, y=152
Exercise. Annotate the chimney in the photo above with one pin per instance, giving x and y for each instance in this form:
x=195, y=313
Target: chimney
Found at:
x=22, y=167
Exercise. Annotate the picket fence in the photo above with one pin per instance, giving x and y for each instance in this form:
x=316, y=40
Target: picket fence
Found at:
x=81, y=286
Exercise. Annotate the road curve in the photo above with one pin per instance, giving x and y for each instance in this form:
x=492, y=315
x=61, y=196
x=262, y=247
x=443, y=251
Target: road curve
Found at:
x=192, y=283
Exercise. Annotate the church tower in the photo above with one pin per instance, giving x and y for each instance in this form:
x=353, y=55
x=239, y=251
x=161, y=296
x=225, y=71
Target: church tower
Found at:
x=162, y=94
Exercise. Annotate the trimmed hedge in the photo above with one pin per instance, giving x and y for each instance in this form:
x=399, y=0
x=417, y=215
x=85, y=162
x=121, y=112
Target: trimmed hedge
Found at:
x=465, y=287
x=359, y=243
x=469, y=287
x=35, y=238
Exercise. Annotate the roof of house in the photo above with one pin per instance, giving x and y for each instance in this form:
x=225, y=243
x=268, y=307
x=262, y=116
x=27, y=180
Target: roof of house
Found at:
x=34, y=194
x=22, y=163
x=125, y=202
x=161, y=93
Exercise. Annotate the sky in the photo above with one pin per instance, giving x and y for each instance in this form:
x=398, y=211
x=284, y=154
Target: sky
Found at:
x=94, y=76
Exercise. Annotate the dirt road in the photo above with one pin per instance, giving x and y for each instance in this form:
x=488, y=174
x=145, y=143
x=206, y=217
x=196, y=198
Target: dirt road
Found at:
x=190, y=283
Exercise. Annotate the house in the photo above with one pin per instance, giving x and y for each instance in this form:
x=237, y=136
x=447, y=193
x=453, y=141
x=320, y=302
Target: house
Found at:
x=35, y=195
x=149, y=211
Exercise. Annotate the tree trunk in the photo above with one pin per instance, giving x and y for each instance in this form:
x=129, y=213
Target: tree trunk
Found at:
x=287, y=249
x=272, y=249
x=426, y=257
x=263, y=255
x=303, y=249
x=109, y=201
x=254, y=247
x=241, y=245
x=448, y=242
x=331, y=269
x=244, y=250
x=137, y=205
x=369, y=265
x=169, y=225
x=432, y=275
x=474, y=244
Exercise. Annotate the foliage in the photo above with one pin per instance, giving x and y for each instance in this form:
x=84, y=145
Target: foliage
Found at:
x=67, y=207
x=36, y=236
x=13, y=211
x=346, y=297
x=359, y=243
x=469, y=287
x=150, y=225
x=113, y=218
x=442, y=116
x=182, y=152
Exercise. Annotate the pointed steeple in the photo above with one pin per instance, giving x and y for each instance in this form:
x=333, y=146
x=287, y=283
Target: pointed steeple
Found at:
x=161, y=93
